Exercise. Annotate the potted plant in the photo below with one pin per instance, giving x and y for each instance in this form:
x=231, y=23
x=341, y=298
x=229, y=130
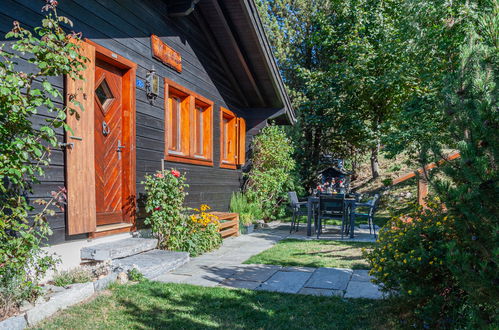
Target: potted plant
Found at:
x=246, y=223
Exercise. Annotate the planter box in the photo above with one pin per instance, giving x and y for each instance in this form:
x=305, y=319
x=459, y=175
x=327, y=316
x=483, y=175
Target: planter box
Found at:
x=247, y=229
x=229, y=223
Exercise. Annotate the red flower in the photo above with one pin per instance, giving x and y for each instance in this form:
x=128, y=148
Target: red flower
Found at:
x=157, y=208
x=175, y=173
x=159, y=175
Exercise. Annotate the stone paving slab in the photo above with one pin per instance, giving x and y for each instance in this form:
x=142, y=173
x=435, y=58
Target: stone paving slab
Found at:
x=238, y=284
x=288, y=282
x=118, y=249
x=330, y=278
x=361, y=275
x=357, y=289
x=298, y=269
x=256, y=273
x=224, y=268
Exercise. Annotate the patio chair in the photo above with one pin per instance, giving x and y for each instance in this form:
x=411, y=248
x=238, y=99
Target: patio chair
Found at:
x=331, y=207
x=298, y=208
x=371, y=206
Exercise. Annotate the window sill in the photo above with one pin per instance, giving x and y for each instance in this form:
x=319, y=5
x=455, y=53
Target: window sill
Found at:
x=228, y=166
x=189, y=160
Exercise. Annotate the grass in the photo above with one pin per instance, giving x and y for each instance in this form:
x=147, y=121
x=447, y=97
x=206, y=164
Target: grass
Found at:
x=154, y=305
x=77, y=275
x=323, y=253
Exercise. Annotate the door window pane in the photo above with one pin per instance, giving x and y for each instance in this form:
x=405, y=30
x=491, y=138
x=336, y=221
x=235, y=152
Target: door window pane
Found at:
x=199, y=131
x=175, y=120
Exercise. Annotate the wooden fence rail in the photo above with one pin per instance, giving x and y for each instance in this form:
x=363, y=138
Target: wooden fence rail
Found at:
x=422, y=179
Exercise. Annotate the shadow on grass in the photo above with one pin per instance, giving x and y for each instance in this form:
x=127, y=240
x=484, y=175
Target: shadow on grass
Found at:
x=178, y=306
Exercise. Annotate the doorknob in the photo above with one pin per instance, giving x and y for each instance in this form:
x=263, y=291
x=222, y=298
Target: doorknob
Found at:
x=119, y=149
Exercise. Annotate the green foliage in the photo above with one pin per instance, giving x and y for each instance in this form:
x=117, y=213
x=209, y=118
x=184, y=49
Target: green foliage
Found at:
x=471, y=183
x=411, y=260
x=25, y=148
x=203, y=231
x=135, y=275
x=248, y=212
x=419, y=259
x=271, y=173
x=173, y=228
x=76, y=275
x=165, y=199
x=342, y=67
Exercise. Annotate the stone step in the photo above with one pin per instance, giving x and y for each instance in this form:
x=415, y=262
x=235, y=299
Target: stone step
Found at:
x=118, y=249
x=152, y=263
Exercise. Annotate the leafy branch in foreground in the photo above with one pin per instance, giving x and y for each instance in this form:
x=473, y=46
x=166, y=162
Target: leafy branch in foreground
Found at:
x=32, y=120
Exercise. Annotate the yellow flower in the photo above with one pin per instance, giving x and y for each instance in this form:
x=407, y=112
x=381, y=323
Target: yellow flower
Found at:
x=405, y=261
x=409, y=292
x=419, y=258
x=431, y=262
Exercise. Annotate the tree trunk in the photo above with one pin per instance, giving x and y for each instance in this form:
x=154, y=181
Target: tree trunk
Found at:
x=375, y=162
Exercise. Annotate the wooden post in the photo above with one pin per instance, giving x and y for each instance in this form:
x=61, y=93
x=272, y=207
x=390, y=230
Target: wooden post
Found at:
x=422, y=191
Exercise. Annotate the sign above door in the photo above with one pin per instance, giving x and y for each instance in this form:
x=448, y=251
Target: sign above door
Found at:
x=164, y=53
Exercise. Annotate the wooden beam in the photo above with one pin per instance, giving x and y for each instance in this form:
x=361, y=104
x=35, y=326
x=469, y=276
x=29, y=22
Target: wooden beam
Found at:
x=422, y=191
x=235, y=45
x=428, y=167
x=221, y=59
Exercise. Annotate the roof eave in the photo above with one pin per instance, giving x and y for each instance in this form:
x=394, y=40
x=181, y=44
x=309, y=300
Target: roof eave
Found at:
x=270, y=61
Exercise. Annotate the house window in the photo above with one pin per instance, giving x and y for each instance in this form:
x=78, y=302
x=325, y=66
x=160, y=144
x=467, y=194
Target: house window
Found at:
x=175, y=117
x=232, y=139
x=188, y=126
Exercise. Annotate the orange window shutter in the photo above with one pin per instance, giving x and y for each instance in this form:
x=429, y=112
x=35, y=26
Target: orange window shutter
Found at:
x=80, y=167
x=241, y=137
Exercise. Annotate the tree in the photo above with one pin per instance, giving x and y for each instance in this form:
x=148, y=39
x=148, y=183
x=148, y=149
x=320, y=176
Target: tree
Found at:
x=471, y=183
x=339, y=61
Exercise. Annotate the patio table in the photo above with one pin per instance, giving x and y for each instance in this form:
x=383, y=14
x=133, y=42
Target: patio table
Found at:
x=350, y=205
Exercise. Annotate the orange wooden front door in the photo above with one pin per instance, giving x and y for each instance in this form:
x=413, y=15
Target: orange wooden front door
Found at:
x=109, y=144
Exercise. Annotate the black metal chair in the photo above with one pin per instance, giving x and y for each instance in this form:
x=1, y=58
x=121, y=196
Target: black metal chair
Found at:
x=298, y=208
x=372, y=206
x=331, y=207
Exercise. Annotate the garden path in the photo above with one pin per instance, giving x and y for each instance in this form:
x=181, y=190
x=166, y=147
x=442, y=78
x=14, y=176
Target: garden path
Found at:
x=224, y=267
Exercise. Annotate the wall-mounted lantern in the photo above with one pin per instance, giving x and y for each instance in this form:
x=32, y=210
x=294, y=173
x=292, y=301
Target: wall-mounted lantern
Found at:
x=152, y=85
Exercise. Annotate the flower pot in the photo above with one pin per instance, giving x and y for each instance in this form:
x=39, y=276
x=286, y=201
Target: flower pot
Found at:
x=247, y=229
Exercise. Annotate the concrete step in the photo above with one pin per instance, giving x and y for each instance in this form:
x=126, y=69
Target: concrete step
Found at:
x=118, y=249
x=152, y=263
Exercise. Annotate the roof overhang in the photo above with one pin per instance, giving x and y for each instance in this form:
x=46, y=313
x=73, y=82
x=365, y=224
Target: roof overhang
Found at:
x=239, y=36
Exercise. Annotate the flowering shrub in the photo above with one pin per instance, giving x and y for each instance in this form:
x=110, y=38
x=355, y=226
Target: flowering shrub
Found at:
x=410, y=260
x=165, y=198
x=203, y=232
x=25, y=148
x=175, y=230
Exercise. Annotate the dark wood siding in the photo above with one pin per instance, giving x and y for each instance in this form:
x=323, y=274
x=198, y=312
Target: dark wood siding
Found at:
x=124, y=27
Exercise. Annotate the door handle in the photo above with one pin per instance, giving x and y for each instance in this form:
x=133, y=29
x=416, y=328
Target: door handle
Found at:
x=118, y=149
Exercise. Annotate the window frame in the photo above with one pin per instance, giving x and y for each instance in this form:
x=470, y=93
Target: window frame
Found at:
x=189, y=104
x=236, y=137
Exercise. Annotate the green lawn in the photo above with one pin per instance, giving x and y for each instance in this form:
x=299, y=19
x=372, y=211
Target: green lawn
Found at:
x=154, y=305
x=323, y=253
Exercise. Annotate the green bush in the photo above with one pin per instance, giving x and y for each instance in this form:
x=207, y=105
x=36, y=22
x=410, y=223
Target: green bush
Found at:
x=175, y=230
x=76, y=275
x=248, y=212
x=25, y=148
x=271, y=173
x=135, y=275
x=413, y=260
x=165, y=204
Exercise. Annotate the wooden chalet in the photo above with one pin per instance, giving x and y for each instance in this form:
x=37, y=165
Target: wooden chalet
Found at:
x=179, y=84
